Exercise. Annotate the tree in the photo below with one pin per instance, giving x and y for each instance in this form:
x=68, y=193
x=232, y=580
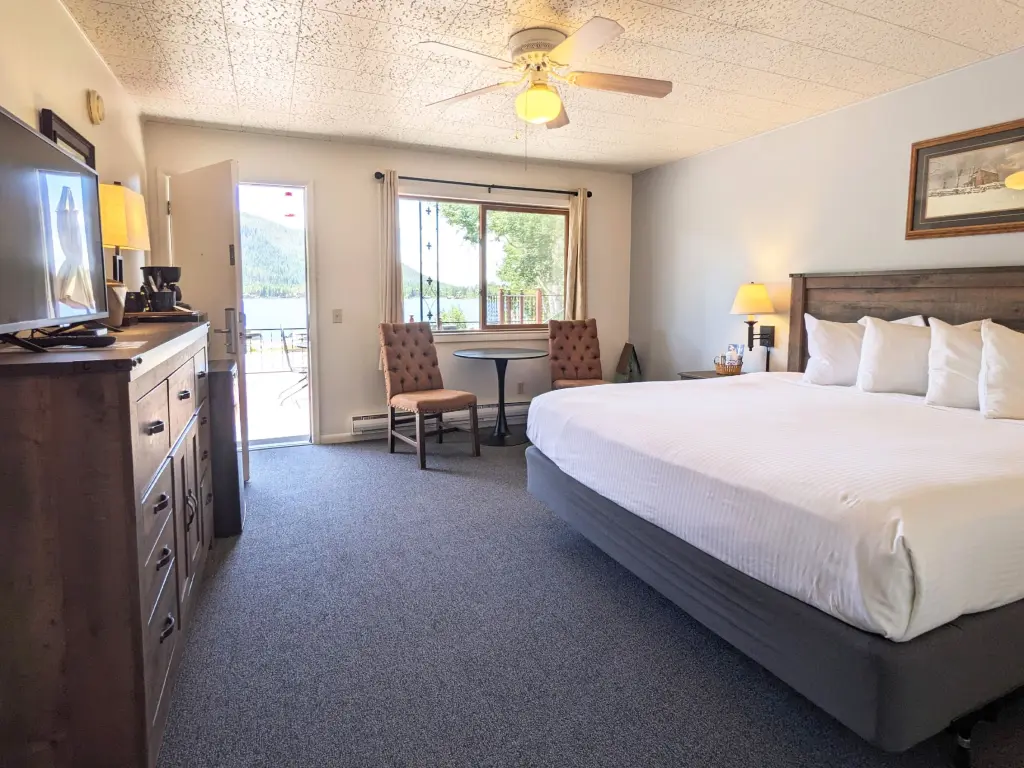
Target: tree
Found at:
x=453, y=315
x=533, y=245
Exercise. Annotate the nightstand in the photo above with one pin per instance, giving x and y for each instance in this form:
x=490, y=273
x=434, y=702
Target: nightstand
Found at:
x=694, y=375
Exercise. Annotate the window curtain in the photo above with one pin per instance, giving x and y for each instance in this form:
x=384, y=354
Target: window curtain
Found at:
x=390, y=256
x=576, y=262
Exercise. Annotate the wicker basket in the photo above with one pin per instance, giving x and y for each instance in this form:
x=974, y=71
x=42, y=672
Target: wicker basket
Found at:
x=724, y=367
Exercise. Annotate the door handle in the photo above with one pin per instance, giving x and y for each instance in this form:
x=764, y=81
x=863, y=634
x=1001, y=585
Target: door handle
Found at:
x=230, y=330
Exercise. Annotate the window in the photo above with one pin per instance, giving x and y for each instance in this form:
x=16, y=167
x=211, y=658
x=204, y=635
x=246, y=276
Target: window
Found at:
x=474, y=267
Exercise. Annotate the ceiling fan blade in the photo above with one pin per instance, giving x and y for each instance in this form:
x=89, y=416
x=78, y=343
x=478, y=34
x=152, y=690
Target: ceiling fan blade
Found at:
x=639, y=86
x=560, y=121
x=585, y=40
x=474, y=94
x=480, y=59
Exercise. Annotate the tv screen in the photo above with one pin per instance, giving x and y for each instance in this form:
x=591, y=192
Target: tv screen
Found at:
x=51, y=251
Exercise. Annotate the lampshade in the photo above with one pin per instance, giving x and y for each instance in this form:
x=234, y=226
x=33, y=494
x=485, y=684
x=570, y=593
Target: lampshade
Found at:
x=1015, y=180
x=123, y=218
x=752, y=299
x=538, y=104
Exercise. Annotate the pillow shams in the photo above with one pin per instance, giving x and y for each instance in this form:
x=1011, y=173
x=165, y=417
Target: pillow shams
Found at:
x=954, y=364
x=835, y=349
x=894, y=358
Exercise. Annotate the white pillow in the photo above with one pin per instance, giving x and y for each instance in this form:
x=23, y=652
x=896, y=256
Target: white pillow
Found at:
x=894, y=358
x=1001, y=383
x=954, y=364
x=834, y=349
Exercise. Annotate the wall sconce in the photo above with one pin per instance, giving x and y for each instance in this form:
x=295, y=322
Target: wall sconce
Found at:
x=751, y=300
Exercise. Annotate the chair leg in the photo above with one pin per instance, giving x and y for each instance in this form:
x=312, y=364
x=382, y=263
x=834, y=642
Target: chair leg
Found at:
x=391, y=430
x=421, y=440
x=474, y=430
x=440, y=428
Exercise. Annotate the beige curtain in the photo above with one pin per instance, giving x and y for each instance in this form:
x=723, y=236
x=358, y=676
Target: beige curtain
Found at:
x=576, y=264
x=390, y=257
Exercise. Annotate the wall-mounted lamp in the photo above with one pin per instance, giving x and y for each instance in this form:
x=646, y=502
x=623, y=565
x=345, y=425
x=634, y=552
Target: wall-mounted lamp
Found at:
x=123, y=223
x=752, y=299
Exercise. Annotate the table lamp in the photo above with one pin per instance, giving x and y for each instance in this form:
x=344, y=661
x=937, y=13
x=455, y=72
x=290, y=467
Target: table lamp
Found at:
x=123, y=222
x=751, y=300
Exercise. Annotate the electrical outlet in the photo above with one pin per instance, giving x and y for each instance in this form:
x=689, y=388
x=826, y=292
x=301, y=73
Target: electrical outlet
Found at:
x=521, y=388
x=336, y=315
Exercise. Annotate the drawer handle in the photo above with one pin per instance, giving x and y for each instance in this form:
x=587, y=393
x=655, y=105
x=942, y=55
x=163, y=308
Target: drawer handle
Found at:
x=185, y=394
x=165, y=557
x=201, y=375
x=191, y=502
x=163, y=500
x=204, y=421
x=205, y=456
x=168, y=627
x=155, y=428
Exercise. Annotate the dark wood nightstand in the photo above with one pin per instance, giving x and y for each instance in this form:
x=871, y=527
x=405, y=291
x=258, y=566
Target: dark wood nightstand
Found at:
x=693, y=375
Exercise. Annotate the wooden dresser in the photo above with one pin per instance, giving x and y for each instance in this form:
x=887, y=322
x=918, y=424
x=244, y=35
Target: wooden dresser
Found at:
x=106, y=517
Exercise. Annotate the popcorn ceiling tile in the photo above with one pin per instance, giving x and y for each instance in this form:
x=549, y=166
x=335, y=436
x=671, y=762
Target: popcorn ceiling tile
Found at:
x=281, y=18
x=262, y=119
x=390, y=66
x=336, y=56
x=220, y=97
x=254, y=89
x=157, y=107
x=121, y=45
x=195, y=29
x=434, y=16
x=254, y=45
x=391, y=38
x=364, y=9
x=330, y=30
x=112, y=19
x=325, y=77
x=204, y=67
x=993, y=26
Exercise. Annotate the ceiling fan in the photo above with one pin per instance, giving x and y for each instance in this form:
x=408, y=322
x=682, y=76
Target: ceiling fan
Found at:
x=545, y=57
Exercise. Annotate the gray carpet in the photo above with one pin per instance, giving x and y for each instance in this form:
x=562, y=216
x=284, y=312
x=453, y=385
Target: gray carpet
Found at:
x=375, y=615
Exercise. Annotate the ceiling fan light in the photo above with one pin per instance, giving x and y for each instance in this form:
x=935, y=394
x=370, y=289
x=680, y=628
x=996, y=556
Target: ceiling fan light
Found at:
x=539, y=103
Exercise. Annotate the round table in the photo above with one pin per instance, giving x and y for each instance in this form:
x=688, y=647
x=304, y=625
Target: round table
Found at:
x=501, y=435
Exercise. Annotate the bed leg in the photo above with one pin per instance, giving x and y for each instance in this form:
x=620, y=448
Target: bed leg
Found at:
x=962, y=730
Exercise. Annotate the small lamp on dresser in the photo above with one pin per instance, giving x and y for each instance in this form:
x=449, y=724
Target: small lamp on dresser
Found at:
x=751, y=300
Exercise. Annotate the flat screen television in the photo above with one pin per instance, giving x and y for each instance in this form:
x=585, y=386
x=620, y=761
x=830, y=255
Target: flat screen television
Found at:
x=51, y=250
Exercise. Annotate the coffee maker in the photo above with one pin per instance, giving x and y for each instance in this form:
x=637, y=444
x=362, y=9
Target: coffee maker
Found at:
x=160, y=288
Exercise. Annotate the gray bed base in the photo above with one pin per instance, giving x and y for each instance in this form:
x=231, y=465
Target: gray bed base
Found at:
x=893, y=695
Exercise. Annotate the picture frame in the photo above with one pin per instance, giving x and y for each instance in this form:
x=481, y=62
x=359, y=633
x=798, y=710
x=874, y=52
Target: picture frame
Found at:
x=961, y=184
x=67, y=138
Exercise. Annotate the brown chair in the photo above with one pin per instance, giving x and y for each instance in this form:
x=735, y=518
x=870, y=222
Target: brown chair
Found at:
x=574, y=353
x=413, y=381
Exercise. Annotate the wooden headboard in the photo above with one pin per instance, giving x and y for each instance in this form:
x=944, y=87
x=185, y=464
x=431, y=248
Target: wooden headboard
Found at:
x=954, y=295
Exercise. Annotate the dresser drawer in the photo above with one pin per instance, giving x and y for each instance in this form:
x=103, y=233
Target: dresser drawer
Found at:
x=157, y=570
x=183, y=399
x=161, y=635
x=202, y=377
x=153, y=438
x=155, y=508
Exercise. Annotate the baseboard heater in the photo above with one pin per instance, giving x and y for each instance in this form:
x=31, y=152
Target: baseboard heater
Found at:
x=487, y=413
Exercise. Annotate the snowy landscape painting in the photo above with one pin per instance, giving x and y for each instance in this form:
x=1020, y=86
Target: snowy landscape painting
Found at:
x=970, y=183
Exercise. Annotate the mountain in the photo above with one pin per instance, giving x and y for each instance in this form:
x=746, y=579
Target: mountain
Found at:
x=273, y=258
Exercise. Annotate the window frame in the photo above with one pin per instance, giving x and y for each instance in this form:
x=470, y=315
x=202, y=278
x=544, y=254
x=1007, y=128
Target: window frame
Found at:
x=484, y=207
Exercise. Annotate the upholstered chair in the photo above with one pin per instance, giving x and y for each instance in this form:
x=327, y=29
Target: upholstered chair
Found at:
x=574, y=353
x=413, y=382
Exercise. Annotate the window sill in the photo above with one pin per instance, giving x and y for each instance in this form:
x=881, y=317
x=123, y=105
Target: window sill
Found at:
x=483, y=337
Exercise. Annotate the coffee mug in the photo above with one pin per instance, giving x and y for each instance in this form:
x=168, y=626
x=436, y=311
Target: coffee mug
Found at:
x=135, y=301
x=161, y=301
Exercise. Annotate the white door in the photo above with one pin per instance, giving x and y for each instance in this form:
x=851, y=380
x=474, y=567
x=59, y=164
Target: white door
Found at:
x=205, y=244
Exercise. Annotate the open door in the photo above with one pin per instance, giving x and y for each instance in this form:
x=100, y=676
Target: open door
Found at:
x=205, y=240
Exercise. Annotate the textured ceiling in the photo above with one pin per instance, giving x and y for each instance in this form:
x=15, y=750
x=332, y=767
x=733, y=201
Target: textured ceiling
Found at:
x=350, y=68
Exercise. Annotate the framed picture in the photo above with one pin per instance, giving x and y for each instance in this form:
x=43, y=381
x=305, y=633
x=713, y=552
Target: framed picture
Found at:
x=970, y=183
x=66, y=137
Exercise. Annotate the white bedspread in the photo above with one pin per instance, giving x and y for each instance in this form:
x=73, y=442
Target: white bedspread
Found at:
x=891, y=515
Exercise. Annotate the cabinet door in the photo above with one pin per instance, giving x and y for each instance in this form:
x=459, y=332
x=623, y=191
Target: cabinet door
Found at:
x=206, y=497
x=189, y=513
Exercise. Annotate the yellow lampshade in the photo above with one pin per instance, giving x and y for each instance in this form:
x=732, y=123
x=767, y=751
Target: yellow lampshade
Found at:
x=538, y=104
x=123, y=218
x=752, y=299
x=1015, y=180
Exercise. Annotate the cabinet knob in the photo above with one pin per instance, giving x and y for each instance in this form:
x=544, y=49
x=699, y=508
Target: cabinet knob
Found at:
x=209, y=498
x=201, y=375
x=204, y=421
x=205, y=456
x=161, y=503
x=165, y=557
x=185, y=394
x=168, y=627
x=155, y=428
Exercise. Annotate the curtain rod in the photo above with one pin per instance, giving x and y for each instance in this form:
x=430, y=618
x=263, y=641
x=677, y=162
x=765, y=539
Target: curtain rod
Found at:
x=378, y=175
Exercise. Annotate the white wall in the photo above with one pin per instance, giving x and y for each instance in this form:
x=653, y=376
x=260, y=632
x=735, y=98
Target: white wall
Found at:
x=344, y=220
x=829, y=194
x=46, y=62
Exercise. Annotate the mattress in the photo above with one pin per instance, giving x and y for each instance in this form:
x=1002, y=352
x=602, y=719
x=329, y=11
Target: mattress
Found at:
x=890, y=515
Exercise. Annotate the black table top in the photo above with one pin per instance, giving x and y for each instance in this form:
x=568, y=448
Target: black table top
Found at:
x=500, y=353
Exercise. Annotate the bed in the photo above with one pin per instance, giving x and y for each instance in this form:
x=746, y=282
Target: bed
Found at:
x=720, y=494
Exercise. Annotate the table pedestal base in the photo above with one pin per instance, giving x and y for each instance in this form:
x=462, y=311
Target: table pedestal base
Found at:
x=511, y=437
